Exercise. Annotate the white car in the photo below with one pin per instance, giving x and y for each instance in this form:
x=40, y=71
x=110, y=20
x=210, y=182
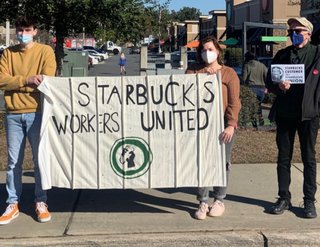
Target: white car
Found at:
x=94, y=52
x=94, y=59
x=95, y=55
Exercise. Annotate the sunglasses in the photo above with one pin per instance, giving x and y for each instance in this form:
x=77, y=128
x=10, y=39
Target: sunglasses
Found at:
x=297, y=30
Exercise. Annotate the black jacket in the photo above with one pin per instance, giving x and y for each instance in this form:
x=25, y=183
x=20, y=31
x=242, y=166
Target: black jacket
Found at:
x=301, y=100
x=311, y=97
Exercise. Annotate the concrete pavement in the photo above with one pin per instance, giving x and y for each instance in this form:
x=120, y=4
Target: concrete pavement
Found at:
x=164, y=217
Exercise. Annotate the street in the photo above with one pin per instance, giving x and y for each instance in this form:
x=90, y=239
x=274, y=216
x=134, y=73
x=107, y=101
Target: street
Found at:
x=110, y=66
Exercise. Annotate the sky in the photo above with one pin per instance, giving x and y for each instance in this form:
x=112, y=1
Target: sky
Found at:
x=203, y=5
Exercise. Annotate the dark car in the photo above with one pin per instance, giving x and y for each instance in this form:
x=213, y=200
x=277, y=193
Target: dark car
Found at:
x=153, y=47
x=134, y=50
x=88, y=47
x=175, y=58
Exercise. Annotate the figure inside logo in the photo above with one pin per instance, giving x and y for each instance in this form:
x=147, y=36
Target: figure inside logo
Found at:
x=127, y=156
x=277, y=74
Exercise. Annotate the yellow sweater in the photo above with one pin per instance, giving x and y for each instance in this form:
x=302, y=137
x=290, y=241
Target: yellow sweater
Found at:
x=15, y=66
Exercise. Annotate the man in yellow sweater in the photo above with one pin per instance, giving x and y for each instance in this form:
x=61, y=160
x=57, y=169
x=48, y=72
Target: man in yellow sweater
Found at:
x=21, y=70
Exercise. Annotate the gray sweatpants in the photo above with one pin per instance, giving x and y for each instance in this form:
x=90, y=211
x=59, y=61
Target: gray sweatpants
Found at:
x=219, y=192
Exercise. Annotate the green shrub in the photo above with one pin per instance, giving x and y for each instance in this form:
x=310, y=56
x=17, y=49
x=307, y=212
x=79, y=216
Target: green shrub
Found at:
x=269, y=98
x=249, y=106
x=233, y=56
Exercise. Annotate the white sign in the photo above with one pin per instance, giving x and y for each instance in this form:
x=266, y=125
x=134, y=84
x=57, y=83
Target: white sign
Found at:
x=288, y=72
x=132, y=132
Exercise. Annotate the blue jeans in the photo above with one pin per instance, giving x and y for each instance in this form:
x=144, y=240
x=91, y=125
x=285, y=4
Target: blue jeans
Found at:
x=259, y=91
x=18, y=128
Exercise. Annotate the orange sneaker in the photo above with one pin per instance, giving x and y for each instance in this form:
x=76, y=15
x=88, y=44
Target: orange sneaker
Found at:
x=42, y=212
x=12, y=212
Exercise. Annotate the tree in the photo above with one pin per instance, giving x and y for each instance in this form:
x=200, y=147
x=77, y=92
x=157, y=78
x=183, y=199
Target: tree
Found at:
x=117, y=19
x=186, y=13
x=61, y=17
x=126, y=20
x=157, y=17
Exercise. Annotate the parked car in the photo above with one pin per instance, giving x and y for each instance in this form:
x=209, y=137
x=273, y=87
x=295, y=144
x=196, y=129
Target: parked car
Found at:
x=94, y=52
x=90, y=62
x=111, y=47
x=98, y=57
x=75, y=49
x=94, y=59
x=175, y=58
x=134, y=50
x=87, y=47
x=153, y=47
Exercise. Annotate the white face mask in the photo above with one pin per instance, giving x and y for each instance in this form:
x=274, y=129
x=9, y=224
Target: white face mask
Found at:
x=209, y=56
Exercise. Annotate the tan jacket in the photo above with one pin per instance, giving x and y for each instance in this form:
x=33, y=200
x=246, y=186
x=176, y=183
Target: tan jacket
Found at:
x=230, y=92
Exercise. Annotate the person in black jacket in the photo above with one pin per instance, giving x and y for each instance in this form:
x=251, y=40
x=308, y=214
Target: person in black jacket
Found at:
x=296, y=109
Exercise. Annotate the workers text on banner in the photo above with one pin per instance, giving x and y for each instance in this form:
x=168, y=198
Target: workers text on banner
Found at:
x=132, y=132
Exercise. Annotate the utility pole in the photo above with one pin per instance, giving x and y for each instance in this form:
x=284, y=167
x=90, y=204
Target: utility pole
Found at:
x=159, y=22
x=7, y=33
x=83, y=36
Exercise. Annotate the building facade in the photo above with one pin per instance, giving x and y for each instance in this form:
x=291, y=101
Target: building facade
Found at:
x=272, y=14
x=311, y=10
x=192, y=30
x=213, y=24
x=3, y=34
x=181, y=33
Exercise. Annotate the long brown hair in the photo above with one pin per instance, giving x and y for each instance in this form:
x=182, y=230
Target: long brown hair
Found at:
x=215, y=43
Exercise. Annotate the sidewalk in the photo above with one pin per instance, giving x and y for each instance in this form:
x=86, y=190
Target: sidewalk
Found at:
x=164, y=217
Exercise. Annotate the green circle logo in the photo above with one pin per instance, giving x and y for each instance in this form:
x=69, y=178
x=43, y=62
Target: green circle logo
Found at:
x=130, y=157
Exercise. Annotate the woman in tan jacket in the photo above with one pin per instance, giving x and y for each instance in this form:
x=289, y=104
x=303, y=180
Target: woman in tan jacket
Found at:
x=210, y=61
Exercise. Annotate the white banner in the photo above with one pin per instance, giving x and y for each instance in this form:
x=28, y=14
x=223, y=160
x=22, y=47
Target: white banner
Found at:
x=132, y=132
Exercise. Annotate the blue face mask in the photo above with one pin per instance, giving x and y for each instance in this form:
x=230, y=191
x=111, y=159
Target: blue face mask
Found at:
x=24, y=38
x=296, y=38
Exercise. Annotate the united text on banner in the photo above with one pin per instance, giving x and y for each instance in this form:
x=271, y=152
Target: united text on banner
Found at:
x=132, y=132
